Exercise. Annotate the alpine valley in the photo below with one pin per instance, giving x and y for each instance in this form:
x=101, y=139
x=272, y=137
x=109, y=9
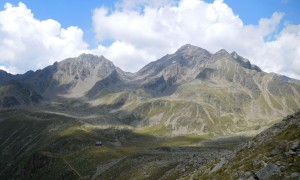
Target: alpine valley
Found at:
x=186, y=115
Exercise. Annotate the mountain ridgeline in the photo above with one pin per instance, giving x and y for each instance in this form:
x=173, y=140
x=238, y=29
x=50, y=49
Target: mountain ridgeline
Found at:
x=189, y=92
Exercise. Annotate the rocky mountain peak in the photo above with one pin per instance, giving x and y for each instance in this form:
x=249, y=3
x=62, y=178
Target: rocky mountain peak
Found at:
x=5, y=77
x=234, y=55
x=222, y=52
x=91, y=57
x=85, y=59
x=85, y=64
x=189, y=49
x=88, y=56
x=244, y=62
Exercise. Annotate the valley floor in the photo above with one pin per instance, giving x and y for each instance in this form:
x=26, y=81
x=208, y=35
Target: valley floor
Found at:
x=41, y=144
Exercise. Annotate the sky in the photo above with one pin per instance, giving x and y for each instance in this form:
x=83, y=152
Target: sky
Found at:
x=132, y=33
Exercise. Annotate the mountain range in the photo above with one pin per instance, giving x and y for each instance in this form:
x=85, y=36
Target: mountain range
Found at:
x=191, y=114
x=190, y=91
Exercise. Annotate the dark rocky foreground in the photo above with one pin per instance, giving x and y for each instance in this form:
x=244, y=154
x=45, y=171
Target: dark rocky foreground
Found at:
x=161, y=163
x=273, y=154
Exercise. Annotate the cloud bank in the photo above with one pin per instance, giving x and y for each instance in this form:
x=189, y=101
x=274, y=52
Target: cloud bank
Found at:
x=28, y=43
x=143, y=31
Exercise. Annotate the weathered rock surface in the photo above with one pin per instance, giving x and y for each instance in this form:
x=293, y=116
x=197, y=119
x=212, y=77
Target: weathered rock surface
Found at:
x=267, y=171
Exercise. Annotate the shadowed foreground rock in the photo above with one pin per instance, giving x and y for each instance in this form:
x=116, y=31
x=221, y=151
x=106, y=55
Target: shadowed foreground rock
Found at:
x=272, y=154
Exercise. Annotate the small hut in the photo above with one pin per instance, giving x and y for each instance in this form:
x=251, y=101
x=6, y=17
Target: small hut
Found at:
x=98, y=143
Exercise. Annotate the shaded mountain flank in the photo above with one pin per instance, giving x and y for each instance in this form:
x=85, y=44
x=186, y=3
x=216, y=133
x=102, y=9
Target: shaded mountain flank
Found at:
x=16, y=94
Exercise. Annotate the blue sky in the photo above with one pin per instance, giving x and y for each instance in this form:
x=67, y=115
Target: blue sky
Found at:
x=78, y=12
x=252, y=10
x=38, y=33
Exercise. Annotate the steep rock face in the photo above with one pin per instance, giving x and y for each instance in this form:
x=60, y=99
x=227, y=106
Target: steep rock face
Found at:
x=182, y=65
x=110, y=84
x=79, y=75
x=73, y=77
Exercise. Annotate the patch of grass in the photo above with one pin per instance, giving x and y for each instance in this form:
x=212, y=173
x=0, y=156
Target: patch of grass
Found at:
x=23, y=135
x=156, y=130
x=86, y=160
x=264, y=105
x=290, y=102
x=275, y=103
x=182, y=140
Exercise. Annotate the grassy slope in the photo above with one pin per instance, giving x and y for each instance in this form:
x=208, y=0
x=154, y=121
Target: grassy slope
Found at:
x=40, y=145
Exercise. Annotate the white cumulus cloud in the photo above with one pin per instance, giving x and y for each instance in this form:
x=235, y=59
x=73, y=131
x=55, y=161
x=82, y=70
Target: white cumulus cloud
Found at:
x=28, y=43
x=141, y=31
x=141, y=35
x=124, y=55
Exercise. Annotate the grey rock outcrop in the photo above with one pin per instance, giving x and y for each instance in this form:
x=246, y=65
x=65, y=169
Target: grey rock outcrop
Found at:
x=219, y=165
x=267, y=171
